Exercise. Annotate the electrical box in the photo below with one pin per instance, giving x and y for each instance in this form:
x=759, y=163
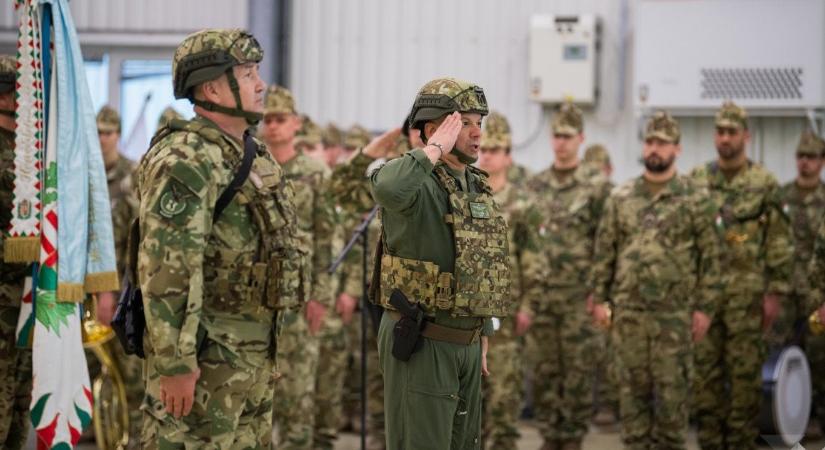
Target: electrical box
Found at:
x=562, y=58
x=766, y=55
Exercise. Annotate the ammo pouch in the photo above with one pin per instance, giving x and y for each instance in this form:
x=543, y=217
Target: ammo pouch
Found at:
x=287, y=284
x=420, y=279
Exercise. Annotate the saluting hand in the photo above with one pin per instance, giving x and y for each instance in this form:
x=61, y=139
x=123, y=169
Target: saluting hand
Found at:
x=445, y=135
x=382, y=145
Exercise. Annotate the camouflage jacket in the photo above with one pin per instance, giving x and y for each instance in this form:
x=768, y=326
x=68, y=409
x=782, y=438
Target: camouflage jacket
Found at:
x=816, y=269
x=570, y=216
x=658, y=252
x=198, y=276
x=124, y=206
x=316, y=219
x=805, y=213
x=11, y=275
x=756, y=237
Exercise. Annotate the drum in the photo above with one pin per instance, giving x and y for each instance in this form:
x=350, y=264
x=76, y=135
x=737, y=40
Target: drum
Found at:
x=786, y=396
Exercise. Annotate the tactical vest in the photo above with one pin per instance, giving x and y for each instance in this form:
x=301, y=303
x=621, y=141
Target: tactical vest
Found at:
x=279, y=276
x=480, y=283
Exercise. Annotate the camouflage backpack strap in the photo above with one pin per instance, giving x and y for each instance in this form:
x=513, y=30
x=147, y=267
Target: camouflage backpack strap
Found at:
x=481, y=180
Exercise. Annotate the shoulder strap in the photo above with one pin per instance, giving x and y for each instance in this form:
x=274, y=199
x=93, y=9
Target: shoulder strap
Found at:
x=250, y=148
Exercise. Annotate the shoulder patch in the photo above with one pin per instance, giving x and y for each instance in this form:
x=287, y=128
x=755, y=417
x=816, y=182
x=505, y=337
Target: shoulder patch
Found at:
x=189, y=177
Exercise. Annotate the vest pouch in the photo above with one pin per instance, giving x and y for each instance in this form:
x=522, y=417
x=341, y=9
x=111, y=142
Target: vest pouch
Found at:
x=287, y=282
x=421, y=281
x=233, y=288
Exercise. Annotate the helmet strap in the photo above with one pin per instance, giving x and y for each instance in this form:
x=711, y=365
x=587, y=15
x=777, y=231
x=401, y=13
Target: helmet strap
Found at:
x=462, y=157
x=252, y=118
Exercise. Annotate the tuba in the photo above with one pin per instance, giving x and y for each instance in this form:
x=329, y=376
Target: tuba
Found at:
x=110, y=412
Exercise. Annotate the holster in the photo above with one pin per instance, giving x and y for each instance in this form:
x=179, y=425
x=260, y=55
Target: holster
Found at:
x=406, y=333
x=129, y=321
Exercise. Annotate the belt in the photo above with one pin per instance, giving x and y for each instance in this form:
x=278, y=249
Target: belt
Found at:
x=446, y=334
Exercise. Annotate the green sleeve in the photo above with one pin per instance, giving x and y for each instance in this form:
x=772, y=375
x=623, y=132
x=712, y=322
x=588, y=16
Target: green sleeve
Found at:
x=605, y=252
x=177, y=199
x=708, y=265
x=323, y=231
x=397, y=185
x=778, y=248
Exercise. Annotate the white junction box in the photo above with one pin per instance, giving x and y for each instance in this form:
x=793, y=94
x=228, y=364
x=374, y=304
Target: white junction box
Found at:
x=562, y=58
x=766, y=55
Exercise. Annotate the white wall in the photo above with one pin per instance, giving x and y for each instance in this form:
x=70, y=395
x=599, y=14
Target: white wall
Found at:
x=363, y=61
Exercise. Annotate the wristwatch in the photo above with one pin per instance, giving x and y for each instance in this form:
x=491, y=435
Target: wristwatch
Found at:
x=437, y=145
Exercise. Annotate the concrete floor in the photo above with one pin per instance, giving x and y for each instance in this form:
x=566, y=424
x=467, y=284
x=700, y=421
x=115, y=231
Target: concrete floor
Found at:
x=595, y=440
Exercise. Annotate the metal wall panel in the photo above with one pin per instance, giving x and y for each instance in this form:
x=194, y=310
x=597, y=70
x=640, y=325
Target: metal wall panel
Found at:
x=363, y=61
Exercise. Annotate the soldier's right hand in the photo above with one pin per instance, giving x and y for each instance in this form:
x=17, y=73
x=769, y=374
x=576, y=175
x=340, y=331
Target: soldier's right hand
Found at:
x=177, y=393
x=447, y=132
x=345, y=306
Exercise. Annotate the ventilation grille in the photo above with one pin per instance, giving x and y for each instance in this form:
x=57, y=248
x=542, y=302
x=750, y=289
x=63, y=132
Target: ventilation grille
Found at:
x=766, y=83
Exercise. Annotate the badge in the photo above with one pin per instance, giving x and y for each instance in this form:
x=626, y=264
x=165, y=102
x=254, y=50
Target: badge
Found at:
x=170, y=204
x=479, y=210
x=649, y=220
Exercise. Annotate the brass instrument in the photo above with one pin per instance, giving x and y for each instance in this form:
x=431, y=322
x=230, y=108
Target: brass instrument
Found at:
x=815, y=325
x=110, y=412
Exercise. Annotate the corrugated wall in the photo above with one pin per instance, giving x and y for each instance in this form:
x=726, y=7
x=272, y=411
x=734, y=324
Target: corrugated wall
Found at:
x=363, y=61
x=146, y=16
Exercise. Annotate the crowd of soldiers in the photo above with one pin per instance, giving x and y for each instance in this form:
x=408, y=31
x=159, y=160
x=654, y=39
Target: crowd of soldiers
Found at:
x=662, y=295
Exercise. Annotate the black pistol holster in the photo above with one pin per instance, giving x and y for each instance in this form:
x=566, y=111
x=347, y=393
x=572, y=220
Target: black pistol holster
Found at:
x=406, y=333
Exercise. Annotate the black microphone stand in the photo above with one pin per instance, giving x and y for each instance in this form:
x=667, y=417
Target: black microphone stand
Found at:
x=362, y=232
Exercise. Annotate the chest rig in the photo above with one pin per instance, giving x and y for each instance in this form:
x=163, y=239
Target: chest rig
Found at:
x=479, y=286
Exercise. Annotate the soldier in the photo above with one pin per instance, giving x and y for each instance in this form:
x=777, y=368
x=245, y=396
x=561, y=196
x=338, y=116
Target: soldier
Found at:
x=816, y=305
x=803, y=201
x=444, y=263
x=214, y=269
x=167, y=116
x=756, y=252
x=119, y=171
x=607, y=402
x=555, y=285
x=298, y=343
x=356, y=137
x=333, y=144
x=308, y=140
x=15, y=363
x=503, y=392
x=656, y=262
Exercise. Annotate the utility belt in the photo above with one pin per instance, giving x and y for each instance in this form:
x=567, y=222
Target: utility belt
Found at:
x=441, y=333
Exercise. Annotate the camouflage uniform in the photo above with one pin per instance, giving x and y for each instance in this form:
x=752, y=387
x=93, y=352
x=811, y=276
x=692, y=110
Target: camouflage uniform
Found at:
x=805, y=208
x=652, y=251
x=606, y=389
x=357, y=137
x=816, y=299
x=350, y=186
x=445, y=247
x=15, y=363
x=503, y=389
x=124, y=210
x=757, y=255
x=298, y=350
x=212, y=286
x=309, y=135
x=167, y=116
x=555, y=287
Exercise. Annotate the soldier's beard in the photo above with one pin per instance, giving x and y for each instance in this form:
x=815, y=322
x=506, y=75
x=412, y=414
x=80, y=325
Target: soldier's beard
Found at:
x=729, y=151
x=464, y=158
x=656, y=164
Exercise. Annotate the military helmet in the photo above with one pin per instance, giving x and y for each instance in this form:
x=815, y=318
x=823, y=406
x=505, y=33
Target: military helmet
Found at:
x=309, y=134
x=206, y=55
x=663, y=126
x=108, y=120
x=8, y=73
x=357, y=137
x=496, y=131
x=169, y=114
x=568, y=120
x=446, y=95
x=810, y=144
x=279, y=100
x=596, y=154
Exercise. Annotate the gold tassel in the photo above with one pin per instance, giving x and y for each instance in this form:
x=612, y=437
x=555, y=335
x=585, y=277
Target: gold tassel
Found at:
x=70, y=292
x=21, y=249
x=102, y=282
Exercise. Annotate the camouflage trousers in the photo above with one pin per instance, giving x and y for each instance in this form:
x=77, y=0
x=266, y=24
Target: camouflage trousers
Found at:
x=329, y=385
x=375, y=383
x=15, y=383
x=654, y=359
x=432, y=401
x=606, y=387
x=232, y=408
x=728, y=385
x=563, y=338
x=502, y=392
x=297, y=364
